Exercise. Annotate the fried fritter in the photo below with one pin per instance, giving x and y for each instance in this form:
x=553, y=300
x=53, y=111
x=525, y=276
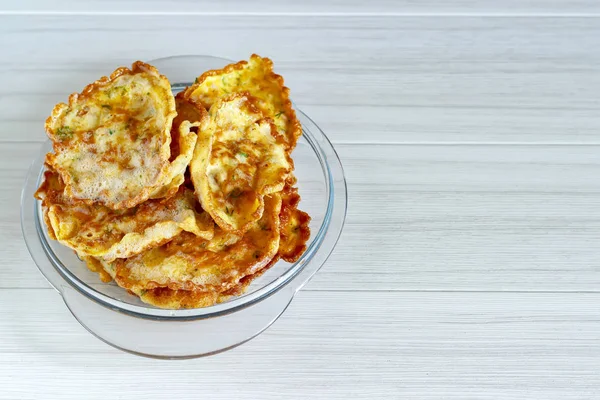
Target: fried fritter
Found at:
x=256, y=77
x=112, y=141
x=95, y=230
x=186, y=263
x=237, y=161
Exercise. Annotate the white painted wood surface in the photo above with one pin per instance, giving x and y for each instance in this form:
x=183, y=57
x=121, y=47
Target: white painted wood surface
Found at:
x=469, y=265
x=309, y=7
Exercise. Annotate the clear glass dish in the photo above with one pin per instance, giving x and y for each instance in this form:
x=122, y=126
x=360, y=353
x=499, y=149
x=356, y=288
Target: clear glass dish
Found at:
x=123, y=321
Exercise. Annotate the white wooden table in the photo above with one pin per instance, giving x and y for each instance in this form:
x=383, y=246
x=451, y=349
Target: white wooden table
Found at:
x=469, y=267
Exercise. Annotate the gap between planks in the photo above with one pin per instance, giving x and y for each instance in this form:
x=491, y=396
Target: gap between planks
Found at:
x=303, y=14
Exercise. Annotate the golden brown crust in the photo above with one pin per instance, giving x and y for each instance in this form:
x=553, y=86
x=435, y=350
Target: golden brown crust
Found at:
x=177, y=299
x=136, y=67
x=293, y=128
x=295, y=230
x=239, y=158
x=77, y=153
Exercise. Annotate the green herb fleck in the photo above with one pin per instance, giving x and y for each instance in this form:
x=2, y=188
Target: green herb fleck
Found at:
x=279, y=114
x=224, y=85
x=110, y=132
x=228, y=211
x=196, y=80
x=64, y=132
x=107, y=106
x=241, y=153
x=143, y=292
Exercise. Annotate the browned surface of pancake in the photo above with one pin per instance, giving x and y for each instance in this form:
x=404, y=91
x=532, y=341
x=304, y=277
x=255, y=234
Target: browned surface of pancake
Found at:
x=294, y=227
x=256, y=77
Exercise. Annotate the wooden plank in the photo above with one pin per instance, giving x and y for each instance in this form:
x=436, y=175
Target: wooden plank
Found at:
x=428, y=218
x=383, y=7
x=339, y=345
x=406, y=80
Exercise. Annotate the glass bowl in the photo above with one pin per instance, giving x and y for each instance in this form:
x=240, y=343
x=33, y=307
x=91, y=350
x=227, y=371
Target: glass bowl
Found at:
x=123, y=321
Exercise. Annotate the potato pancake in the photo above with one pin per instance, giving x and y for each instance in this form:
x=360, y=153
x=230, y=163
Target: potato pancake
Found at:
x=101, y=232
x=112, y=141
x=257, y=78
x=237, y=161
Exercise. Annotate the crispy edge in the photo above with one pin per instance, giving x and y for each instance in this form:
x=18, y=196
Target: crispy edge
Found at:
x=96, y=266
x=136, y=67
x=290, y=249
x=42, y=194
x=177, y=299
x=175, y=170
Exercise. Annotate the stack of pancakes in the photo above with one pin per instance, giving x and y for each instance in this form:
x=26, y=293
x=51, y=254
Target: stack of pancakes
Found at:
x=183, y=200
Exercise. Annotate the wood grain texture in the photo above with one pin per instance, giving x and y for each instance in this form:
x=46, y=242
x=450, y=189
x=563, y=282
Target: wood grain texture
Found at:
x=334, y=345
x=364, y=79
x=468, y=267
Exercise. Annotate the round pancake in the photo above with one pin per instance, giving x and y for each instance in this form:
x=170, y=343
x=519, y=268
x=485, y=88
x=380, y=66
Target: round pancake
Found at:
x=165, y=297
x=256, y=77
x=112, y=141
x=237, y=161
x=95, y=230
x=175, y=299
x=186, y=263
